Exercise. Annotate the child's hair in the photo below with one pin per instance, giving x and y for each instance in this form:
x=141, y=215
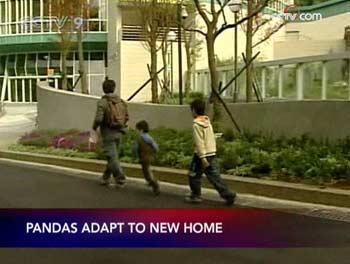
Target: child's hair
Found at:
x=198, y=106
x=108, y=86
x=142, y=125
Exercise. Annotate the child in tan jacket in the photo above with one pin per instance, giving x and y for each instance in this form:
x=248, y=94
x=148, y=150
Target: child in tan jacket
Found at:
x=204, y=158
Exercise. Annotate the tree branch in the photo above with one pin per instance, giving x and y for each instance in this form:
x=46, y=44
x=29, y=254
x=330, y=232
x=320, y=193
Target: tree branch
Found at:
x=226, y=108
x=225, y=27
x=258, y=26
x=201, y=12
x=269, y=35
x=212, y=8
x=222, y=10
x=195, y=30
x=239, y=73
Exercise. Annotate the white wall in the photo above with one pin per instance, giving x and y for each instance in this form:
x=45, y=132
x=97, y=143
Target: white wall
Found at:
x=313, y=38
x=325, y=29
x=134, y=72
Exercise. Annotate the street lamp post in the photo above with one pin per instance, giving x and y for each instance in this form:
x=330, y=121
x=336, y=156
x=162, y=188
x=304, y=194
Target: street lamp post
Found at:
x=181, y=14
x=172, y=38
x=235, y=7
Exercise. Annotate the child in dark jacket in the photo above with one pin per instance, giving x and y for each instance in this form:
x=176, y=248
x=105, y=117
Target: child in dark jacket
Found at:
x=145, y=149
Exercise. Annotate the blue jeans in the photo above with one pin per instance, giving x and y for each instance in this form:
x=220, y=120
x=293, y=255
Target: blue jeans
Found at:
x=213, y=174
x=110, y=149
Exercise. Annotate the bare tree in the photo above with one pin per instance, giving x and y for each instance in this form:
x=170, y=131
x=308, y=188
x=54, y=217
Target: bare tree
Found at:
x=73, y=13
x=156, y=16
x=193, y=45
x=257, y=24
x=211, y=19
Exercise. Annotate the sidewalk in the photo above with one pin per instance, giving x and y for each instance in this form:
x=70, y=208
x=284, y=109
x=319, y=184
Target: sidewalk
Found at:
x=17, y=120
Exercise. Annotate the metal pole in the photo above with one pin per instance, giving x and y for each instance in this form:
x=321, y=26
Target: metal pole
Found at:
x=172, y=68
x=235, y=94
x=180, y=52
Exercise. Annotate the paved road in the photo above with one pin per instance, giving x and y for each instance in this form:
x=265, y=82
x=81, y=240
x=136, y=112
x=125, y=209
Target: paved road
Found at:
x=35, y=188
x=17, y=120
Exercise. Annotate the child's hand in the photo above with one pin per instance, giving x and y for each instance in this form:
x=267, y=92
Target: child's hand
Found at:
x=93, y=137
x=205, y=163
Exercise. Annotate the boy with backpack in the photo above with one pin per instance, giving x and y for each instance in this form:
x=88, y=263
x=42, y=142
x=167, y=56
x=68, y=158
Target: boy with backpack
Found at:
x=204, y=158
x=111, y=117
x=145, y=149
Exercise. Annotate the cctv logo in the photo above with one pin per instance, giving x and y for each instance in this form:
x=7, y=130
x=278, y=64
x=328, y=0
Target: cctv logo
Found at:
x=59, y=22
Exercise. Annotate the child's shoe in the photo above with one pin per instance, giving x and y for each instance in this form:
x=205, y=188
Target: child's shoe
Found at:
x=104, y=181
x=156, y=190
x=117, y=184
x=193, y=199
x=231, y=200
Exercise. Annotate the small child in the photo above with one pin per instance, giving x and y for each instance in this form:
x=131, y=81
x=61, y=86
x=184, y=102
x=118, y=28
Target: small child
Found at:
x=145, y=149
x=204, y=158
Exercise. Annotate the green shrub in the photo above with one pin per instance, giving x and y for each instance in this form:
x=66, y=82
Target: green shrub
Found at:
x=292, y=159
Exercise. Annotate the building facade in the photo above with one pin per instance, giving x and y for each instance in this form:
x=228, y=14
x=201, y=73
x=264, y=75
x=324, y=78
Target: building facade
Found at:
x=30, y=47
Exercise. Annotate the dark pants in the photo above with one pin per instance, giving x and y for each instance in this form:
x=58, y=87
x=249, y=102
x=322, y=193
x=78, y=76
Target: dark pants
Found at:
x=213, y=174
x=148, y=174
x=110, y=149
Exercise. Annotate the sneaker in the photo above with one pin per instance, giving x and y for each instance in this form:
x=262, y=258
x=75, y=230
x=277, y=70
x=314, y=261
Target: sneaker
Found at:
x=231, y=200
x=117, y=184
x=156, y=190
x=193, y=199
x=104, y=181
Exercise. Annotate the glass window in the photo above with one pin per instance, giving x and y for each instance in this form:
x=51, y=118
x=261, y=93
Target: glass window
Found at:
x=11, y=65
x=27, y=84
x=34, y=97
x=55, y=62
x=36, y=7
x=313, y=80
x=338, y=79
x=13, y=10
x=2, y=65
x=20, y=94
x=20, y=64
x=96, y=56
x=31, y=59
x=289, y=82
x=42, y=63
x=271, y=82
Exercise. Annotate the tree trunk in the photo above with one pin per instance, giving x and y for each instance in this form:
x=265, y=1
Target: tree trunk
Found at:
x=165, y=88
x=214, y=78
x=212, y=62
x=189, y=72
x=64, y=70
x=82, y=71
x=249, y=53
x=154, y=85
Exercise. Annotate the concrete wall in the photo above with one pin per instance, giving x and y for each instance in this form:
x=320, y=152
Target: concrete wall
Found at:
x=61, y=109
x=321, y=119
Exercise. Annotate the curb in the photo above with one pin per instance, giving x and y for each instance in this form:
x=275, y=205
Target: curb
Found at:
x=271, y=189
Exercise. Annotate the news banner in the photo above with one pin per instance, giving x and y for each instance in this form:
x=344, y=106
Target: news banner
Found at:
x=135, y=228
